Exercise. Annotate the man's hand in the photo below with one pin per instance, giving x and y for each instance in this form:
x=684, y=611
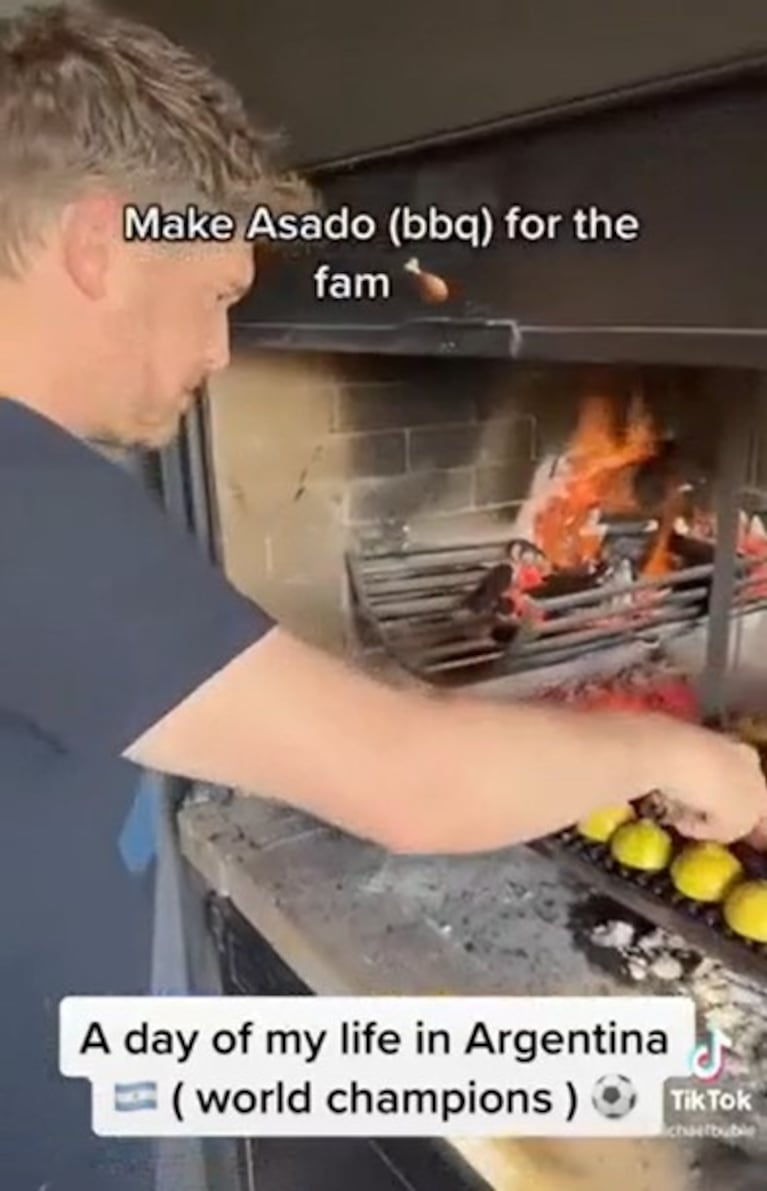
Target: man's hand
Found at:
x=716, y=782
x=758, y=837
x=420, y=774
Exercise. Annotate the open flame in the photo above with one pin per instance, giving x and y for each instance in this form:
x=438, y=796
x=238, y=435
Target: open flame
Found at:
x=573, y=498
x=596, y=477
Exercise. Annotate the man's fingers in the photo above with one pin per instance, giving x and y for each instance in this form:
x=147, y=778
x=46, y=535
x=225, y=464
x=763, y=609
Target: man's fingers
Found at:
x=707, y=827
x=695, y=827
x=758, y=837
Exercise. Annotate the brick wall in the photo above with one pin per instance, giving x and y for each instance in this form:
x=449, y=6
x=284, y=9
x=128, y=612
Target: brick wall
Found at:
x=433, y=444
x=309, y=450
x=312, y=450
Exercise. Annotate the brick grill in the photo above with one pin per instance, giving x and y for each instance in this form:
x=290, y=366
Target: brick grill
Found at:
x=316, y=456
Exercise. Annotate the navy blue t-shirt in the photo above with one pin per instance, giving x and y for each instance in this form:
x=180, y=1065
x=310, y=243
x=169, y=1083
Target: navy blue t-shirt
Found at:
x=109, y=616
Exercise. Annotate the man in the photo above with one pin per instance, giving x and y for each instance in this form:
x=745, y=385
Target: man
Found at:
x=120, y=647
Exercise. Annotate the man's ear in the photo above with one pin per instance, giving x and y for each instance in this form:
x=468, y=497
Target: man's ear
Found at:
x=91, y=237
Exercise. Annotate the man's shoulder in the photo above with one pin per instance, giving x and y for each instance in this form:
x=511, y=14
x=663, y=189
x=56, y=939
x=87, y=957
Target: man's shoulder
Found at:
x=23, y=424
x=29, y=436
x=112, y=612
x=65, y=484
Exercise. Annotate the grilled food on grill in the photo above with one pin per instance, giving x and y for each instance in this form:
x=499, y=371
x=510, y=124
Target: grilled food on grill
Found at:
x=745, y=910
x=644, y=845
x=600, y=825
x=705, y=872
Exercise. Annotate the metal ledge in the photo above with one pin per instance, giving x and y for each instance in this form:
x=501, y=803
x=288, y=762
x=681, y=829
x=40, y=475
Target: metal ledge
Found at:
x=506, y=339
x=488, y=338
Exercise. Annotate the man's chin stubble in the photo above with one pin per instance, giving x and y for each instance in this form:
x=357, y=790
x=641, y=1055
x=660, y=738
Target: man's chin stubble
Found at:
x=144, y=439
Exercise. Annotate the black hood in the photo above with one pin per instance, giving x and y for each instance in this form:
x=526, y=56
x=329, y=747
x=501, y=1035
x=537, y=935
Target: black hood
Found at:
x=348, y=80
x=659, y=110
x=691, y=287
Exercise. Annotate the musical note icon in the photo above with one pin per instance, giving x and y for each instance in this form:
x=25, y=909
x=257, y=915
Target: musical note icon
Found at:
x=707, y=1059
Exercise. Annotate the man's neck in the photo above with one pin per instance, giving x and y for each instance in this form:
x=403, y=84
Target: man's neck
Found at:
x=44, y=362
x=34, y=371
x=21, y=387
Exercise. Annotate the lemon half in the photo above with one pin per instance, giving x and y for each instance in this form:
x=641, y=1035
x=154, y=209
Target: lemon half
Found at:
x=745, y=910
x=643, y=845
x=601, y=824
x=705, y=872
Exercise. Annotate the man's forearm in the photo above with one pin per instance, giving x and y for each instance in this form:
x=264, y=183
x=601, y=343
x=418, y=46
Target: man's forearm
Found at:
x=483, y=772
x=408, y=770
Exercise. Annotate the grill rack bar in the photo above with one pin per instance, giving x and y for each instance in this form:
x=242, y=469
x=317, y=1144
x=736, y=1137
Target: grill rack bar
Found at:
x=411, y=600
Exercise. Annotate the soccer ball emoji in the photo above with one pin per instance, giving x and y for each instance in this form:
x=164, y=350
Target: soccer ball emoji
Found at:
x=614, y=1096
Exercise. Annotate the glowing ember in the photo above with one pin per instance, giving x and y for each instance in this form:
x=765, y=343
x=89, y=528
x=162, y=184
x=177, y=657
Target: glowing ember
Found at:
x=752, y=543
x=633, y=690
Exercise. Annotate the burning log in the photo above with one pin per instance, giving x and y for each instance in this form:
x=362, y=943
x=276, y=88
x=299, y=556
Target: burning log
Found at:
x=627, y=525
x=690, y=551
x=488, y=596
x=562, y=583
x=516, y=591
x=627, y=538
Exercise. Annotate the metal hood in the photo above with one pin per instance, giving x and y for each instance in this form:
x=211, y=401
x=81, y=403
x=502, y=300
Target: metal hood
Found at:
x=690, y=288
x=348, y=80
x=658, y=109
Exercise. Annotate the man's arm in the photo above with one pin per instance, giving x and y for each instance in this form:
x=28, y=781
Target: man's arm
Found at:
x=417, y=773
x=120, y=635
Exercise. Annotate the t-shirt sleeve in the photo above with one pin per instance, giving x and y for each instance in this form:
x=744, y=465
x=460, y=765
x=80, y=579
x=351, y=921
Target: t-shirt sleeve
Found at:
x=110, y=614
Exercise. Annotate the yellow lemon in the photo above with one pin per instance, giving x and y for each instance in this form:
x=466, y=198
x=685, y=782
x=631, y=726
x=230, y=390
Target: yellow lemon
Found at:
x=705, y=871
x=643, y=844
x=745, y=910
x=601, y=824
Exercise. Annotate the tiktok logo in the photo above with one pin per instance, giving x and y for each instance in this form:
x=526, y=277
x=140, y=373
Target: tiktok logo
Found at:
x=707, y=1059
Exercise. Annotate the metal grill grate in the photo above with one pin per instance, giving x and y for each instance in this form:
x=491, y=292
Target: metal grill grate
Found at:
x=655, y=898
x=413, y=601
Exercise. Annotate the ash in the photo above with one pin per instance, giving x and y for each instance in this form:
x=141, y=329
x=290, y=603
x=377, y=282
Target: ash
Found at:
x=725, y=1000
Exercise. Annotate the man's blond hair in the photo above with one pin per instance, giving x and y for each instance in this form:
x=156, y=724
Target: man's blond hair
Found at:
x=87, y=98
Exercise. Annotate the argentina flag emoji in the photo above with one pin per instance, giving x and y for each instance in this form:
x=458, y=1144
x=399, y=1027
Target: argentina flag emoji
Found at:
x=135, y=1097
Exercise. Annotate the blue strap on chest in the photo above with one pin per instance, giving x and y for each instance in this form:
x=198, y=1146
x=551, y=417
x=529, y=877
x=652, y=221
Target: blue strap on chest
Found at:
x=147, y=836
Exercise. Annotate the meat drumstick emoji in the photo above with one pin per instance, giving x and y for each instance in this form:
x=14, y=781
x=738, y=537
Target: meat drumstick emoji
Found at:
x=430, y=287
